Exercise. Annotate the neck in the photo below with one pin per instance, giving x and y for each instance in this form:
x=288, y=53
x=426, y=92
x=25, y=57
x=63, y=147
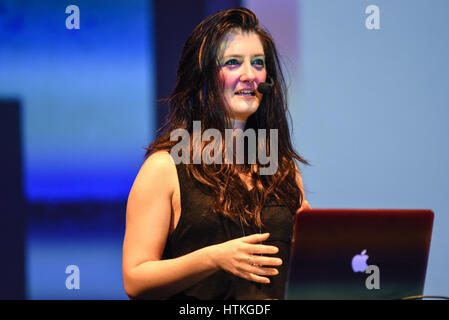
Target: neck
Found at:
x=238, y=124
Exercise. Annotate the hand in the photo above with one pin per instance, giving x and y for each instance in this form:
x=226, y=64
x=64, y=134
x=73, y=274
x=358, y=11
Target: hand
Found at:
x=239, y=257
x=305, y=206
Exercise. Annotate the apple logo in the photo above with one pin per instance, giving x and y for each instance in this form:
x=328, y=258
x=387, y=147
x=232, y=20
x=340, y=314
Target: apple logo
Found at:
x=359, y=262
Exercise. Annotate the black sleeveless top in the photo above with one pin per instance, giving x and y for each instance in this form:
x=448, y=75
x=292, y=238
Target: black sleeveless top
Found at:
x=199, y=227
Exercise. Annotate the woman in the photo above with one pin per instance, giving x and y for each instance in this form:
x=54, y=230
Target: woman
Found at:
x=221, y=230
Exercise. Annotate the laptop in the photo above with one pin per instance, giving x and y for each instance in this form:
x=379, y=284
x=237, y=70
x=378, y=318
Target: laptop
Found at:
x=359, y=254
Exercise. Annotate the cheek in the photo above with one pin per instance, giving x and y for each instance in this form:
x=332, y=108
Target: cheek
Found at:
x=262, y=76
x=229, y=81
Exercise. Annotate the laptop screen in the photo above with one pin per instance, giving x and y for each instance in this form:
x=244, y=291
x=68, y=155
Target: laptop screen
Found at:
x=359, y=254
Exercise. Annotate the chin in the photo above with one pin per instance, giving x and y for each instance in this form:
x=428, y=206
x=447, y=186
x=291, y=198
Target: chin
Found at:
x=244, y=111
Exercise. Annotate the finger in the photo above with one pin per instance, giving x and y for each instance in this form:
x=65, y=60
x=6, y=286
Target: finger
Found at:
x=266, y=261
x=259, y=279
x=254, y=238
x=254, y=264
x=252, y=277
x=261, y=271
x=262, y=249
x=307, y=205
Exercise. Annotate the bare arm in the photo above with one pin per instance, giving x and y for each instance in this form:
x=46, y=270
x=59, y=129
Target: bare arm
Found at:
x=148, y=219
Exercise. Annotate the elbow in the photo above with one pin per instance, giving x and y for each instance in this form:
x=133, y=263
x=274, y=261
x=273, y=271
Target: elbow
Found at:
x=129, y=289
x=136, y=292
x=131, y=294
x=144, y=295
x=129, y=284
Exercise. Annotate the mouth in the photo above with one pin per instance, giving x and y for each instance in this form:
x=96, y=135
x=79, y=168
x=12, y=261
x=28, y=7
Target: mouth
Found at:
x=245, y=93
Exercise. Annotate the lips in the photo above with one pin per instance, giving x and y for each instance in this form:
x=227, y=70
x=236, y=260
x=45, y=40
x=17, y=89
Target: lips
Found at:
x=245, y=92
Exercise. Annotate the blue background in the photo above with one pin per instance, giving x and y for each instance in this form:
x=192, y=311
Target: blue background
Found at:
x=85, y=94
x=87, y=98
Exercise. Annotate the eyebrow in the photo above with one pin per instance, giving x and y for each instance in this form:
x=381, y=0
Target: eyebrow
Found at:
x=240, y=56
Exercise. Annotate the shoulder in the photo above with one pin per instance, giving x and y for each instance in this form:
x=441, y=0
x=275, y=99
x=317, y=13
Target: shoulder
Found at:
x=161, y=160
x=158, y=171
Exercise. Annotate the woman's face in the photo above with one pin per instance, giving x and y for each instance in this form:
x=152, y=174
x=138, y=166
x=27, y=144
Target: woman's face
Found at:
x=241, y=69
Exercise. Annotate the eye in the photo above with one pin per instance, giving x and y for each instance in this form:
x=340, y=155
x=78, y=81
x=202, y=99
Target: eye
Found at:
x=231, y=62
x=259, y=62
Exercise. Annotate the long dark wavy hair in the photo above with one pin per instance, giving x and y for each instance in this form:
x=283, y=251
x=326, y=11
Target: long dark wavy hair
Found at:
x=198, y=96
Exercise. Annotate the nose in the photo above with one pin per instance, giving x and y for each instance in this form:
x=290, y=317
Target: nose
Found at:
x=248, y=74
